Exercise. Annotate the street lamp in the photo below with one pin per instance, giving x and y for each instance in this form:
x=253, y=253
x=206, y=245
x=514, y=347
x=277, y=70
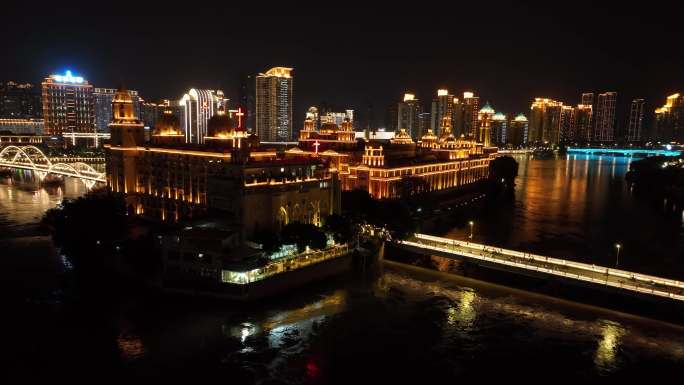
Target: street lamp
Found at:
x=471, y=223
x=617, y=254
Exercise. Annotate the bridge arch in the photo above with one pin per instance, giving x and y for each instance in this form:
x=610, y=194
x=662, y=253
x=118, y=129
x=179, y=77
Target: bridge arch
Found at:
x=31, y=157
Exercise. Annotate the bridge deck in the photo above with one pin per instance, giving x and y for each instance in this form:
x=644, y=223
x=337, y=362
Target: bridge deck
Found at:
x=600, y=275
x=624, y=151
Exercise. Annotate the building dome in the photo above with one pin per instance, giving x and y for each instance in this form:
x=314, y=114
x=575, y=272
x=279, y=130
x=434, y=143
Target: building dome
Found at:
x=167, y=124
x=219, y=124
x=487, y=109
x=520, y=118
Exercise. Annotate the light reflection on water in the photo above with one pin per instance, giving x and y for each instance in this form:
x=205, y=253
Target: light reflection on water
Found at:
x=608, y=345
x=475, y=322
x=401, y=315
x=23, y=201
x=577, y=207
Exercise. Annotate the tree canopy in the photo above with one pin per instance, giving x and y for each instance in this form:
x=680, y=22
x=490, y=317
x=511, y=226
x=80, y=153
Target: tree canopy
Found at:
x=303, y=235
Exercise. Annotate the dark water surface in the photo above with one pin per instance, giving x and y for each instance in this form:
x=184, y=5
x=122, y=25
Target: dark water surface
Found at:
x=395, y=325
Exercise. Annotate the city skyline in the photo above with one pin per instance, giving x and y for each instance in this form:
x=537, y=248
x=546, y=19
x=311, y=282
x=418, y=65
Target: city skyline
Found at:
x=376, y=72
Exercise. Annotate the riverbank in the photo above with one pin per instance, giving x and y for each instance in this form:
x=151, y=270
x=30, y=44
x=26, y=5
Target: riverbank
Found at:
x=32, y=268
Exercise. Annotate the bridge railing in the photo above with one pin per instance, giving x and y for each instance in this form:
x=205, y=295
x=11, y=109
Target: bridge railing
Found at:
x=526, y=266
x=637, y=285
x=558, y=261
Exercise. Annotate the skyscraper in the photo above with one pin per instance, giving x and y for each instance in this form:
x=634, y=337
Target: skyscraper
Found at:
x=408, y=112
x=604, y=126
x=545, y=122
x=567, y=124
x=274, y=90
x=391, y=115
x=20, y=101
x=197, y=107
x=442, y=105
x=636, y=120
x=668, y=124
x=517, y=132
x=246, y=100
x=68, y=105
x=424, y=121
x=499, y=129
x=102, y=99
x=471, y=107
x=583, y=120
x=588, y=99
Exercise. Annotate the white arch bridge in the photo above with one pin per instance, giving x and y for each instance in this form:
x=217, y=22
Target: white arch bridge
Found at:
x=32, y=158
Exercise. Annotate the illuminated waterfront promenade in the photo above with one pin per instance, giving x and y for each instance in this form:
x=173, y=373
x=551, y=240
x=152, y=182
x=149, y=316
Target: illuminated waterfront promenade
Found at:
x=542, y=266
x=624, y=151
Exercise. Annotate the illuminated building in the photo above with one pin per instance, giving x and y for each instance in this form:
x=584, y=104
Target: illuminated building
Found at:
x=401, y=169
x=197, y=107
x=499, y=129
x=484, y=123
x=582, y=123
x=408, y=111
x=274, y=95
x=424, y=120
x=396, y=166
x=391, y=115
x=516, y=135
x=465, y=115
x=312, y=115
x=253, y=188
x=636, y=120
x=20, y=126
x=545, y=122
x=102, y=99
x=20, y=101
x=471, y=106
x=328, y=136
x=150, y=112
x=588, y=99
x=668, y=125
x=337, y=117
x=604, y=122
x=442, y=105
x=68, y=105
x=567, y=124
x=246, y=100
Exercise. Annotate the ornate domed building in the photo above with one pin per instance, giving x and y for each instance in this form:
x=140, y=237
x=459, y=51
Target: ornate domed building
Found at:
x=330, y=135
x=401, y=137
x=429, y=140
x=221, y=131
x=167, y=130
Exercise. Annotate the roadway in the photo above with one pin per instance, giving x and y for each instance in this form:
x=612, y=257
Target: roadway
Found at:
x=542, y=265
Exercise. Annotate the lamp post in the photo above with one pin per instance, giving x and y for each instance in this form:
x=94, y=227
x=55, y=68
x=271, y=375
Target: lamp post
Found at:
x=471, y=223
x=617, y=254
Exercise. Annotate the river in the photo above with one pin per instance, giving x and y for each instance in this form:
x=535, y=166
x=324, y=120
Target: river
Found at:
x=398, y=325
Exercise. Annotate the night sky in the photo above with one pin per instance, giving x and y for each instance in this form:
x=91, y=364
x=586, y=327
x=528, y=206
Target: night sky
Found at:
x=347, y=55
